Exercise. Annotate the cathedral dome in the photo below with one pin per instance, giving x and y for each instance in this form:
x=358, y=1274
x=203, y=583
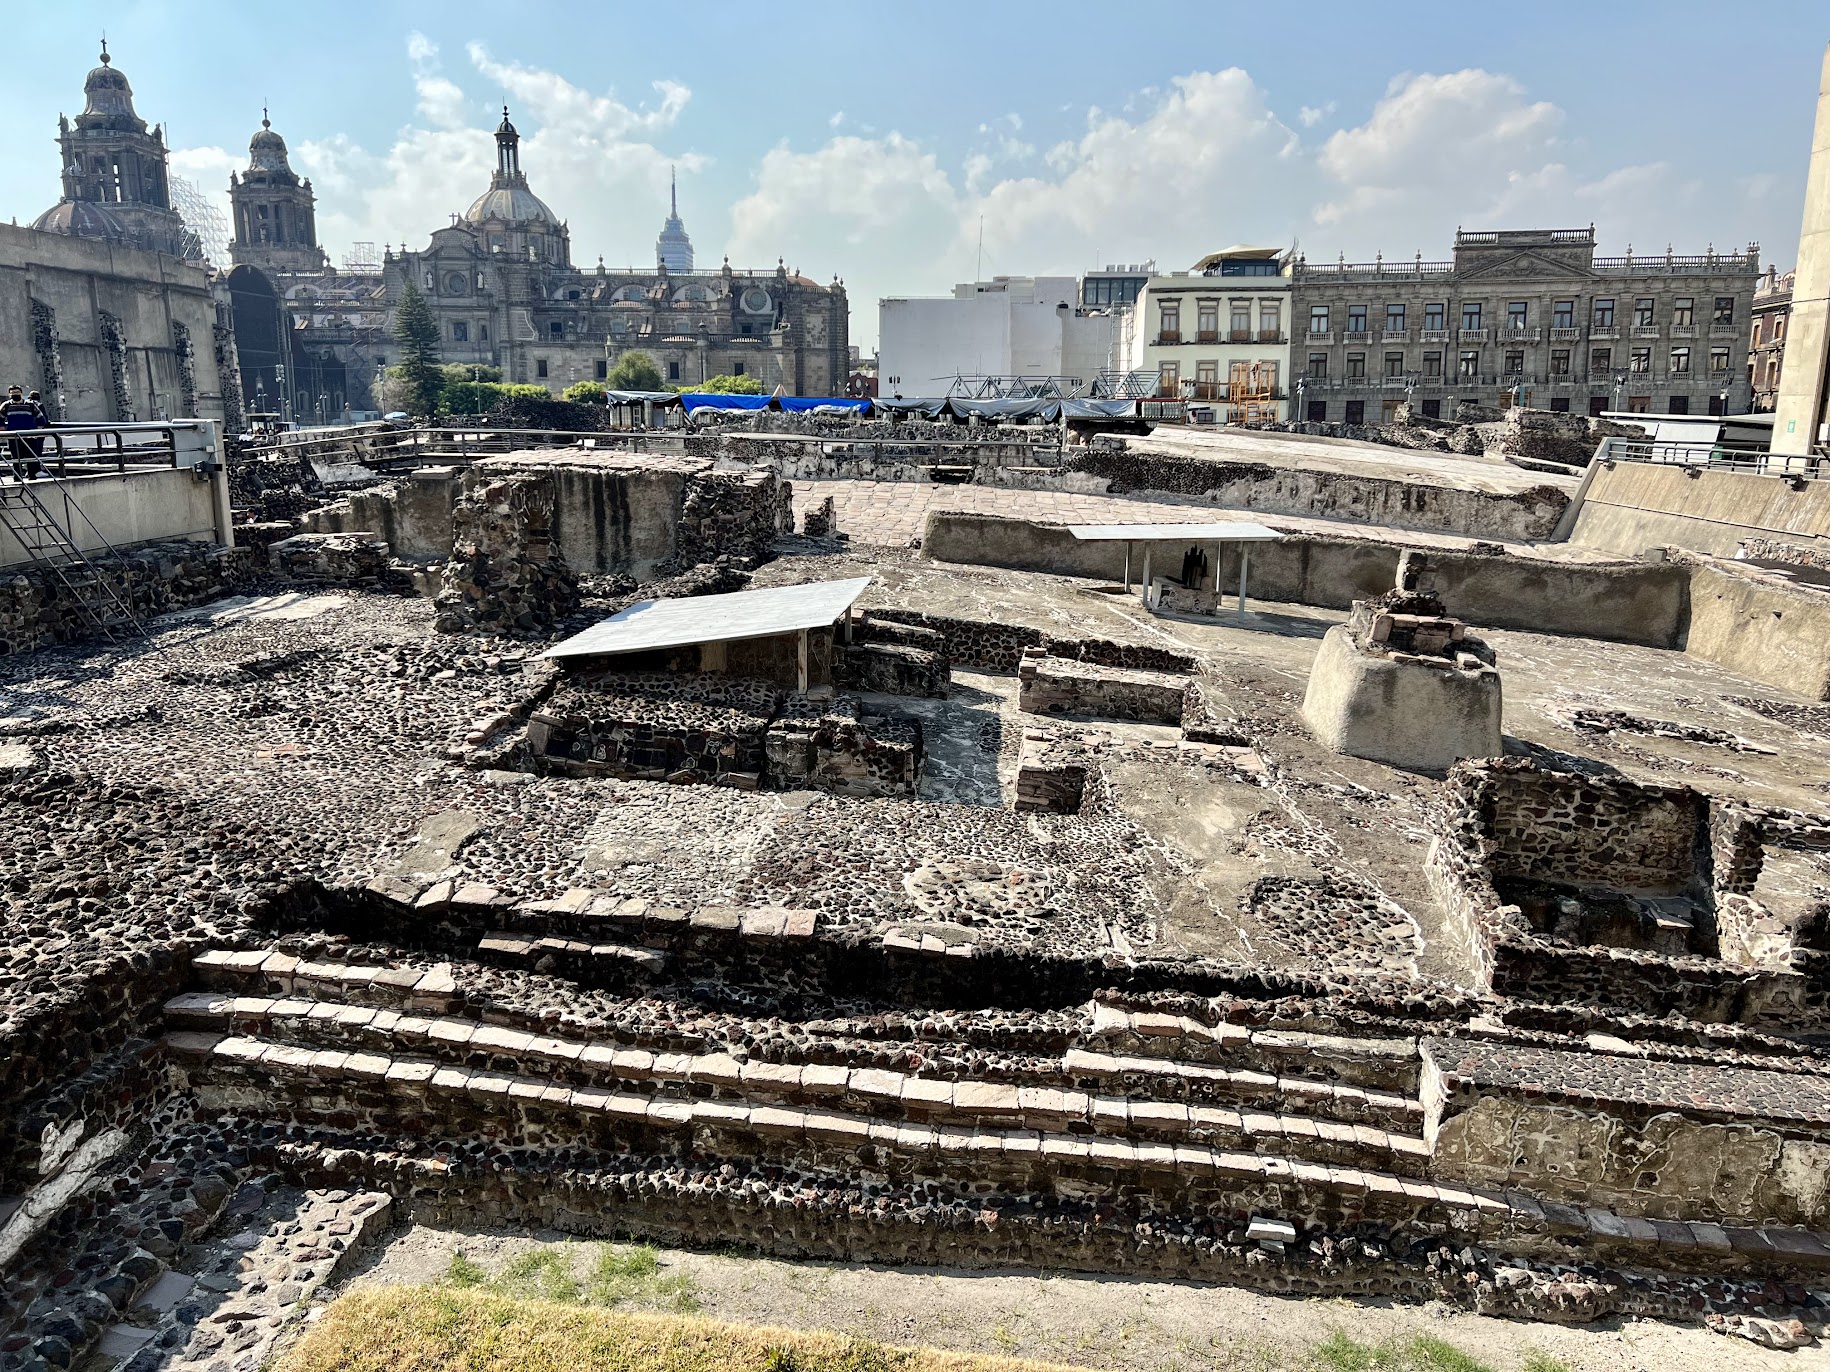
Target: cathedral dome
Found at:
x=510, y=204
x=82, y=219
x=267, y=150
x=108, y=99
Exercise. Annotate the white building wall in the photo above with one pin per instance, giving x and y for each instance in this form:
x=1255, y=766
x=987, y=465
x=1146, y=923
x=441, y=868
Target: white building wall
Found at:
x=1014, y=326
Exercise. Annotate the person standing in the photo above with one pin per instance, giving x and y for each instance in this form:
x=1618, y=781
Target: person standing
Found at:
x=17, y=414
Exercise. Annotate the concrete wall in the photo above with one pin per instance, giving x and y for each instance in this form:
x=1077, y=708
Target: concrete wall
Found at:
x=1627, y=602
x=1632, y=506
x=80, y=280
x=1309, y=571
x=1760, y=627
x=137, y=507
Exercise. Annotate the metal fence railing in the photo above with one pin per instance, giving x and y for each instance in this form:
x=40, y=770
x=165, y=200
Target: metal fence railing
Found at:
x=1715, y=457
x=96, y=449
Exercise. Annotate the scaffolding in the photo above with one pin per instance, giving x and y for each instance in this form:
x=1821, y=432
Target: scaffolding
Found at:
x=1251, y=393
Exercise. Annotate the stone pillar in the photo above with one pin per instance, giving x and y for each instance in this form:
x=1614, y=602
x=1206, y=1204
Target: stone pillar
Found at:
x=1803, y=405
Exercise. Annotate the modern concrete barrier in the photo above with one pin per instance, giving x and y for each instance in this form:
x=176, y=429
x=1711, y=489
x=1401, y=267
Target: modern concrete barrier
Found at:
x=128, y=508
x=1626, y=602
x=1759, y=627
x=1631, y=506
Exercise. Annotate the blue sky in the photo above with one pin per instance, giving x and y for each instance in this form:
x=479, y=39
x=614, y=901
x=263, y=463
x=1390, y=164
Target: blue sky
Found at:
x=868, y=141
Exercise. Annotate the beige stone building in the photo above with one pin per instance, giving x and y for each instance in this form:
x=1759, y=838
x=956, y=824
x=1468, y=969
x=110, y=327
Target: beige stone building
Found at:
x=1533, y=314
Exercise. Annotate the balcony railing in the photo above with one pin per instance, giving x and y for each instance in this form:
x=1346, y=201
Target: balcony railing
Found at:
x=1394, y=335
x=1474, y=335
x=1729, y=330
x=1435, y=335
x=1645, y=331
x=1321, y=335
x=1565, y=333
x=1169, y=336
x=1606, y=333
x=1207, y=336
x=1239, y=336
x=1683, y=330
x=1352, y=335
x=1510, y=334
x=1271, y=336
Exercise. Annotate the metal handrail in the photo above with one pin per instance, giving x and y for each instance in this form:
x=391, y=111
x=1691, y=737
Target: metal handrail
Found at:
x=1714, y=457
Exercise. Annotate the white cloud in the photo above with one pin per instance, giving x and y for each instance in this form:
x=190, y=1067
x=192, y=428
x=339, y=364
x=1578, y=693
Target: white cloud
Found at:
x=837, y=121
x=1311, y=115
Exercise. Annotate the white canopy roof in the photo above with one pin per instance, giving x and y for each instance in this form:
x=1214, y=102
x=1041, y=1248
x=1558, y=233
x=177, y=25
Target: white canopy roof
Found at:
x=1173, y=533
x=715, y=618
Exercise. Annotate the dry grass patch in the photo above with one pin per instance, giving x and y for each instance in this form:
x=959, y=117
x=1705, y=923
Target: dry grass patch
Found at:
x=441, y=1328
x=481, y=1327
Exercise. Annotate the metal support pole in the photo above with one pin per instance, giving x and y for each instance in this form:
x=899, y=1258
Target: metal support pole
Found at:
x=1244, y=555
x=1144, y=597
x=1127, y=566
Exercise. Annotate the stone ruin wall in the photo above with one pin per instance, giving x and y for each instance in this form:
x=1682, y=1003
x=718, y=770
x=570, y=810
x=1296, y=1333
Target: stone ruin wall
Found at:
x=37, y=611
x=1553, y=827
x=1057, y=686
x=505, y=575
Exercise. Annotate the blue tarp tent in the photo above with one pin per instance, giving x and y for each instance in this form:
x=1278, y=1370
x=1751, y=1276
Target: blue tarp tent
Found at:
x=706, y=400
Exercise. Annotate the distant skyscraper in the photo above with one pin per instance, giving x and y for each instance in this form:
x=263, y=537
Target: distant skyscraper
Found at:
x=673, y=250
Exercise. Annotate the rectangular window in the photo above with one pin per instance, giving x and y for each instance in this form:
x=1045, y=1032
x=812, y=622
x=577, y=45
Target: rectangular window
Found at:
x=1240, y=322
x=737, y=369
x=1394, y=364
x=1432, y=409
x=1725, y=310
x=1601, y=361
x=1356, y=366
x=1356, y=319
x=556, y=329
x=1645, y=312
x=1598, y=404
x=1169, y=378
x=1518, y=312
x=460, y=331
x=1470, y=364
x=1318, y=411
x=1270, y=323
x=1559, y=362
x=1207, y=320
x=1471, y=314
x=1563, y=314
x=483, y=333
x=1170, y=312
x=1684, y=310
x=1642, y=360
x=1779, y=327
x=1318, y=319
x=1718, y=361
x=673, y=371
x=1432, y=364
x=603, y=369
x=1356, y=411
x=1604, y=314
x=1678, y=404
x=1680, y=360
x=1435, y=315
x=540, y=366
x=1515, y=363
x=1394, y=317
x=1559, y=404
x=1318, y=364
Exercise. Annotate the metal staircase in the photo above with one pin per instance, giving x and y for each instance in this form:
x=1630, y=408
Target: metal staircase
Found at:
x=46, y=540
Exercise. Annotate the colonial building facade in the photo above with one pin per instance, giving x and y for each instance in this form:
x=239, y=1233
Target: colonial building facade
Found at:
x=106, y=304
x=1528, y=315
x=501, y=282
x=1217, y=335
x=1767, y=340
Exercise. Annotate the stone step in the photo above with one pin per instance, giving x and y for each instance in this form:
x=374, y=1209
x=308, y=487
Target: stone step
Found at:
x=1200, y=1081
x=289, y=1037
x=569, y=957
x=996, y=1133
x=1390, y=1064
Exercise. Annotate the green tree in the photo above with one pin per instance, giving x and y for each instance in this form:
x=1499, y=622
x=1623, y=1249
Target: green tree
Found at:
x=586, y=393
x=731, y=385
x=416, y=331
x=634, y=371
x=457, y=373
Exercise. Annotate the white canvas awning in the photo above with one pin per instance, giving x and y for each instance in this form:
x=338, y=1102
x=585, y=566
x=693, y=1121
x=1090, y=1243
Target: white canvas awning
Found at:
x=728, y=618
